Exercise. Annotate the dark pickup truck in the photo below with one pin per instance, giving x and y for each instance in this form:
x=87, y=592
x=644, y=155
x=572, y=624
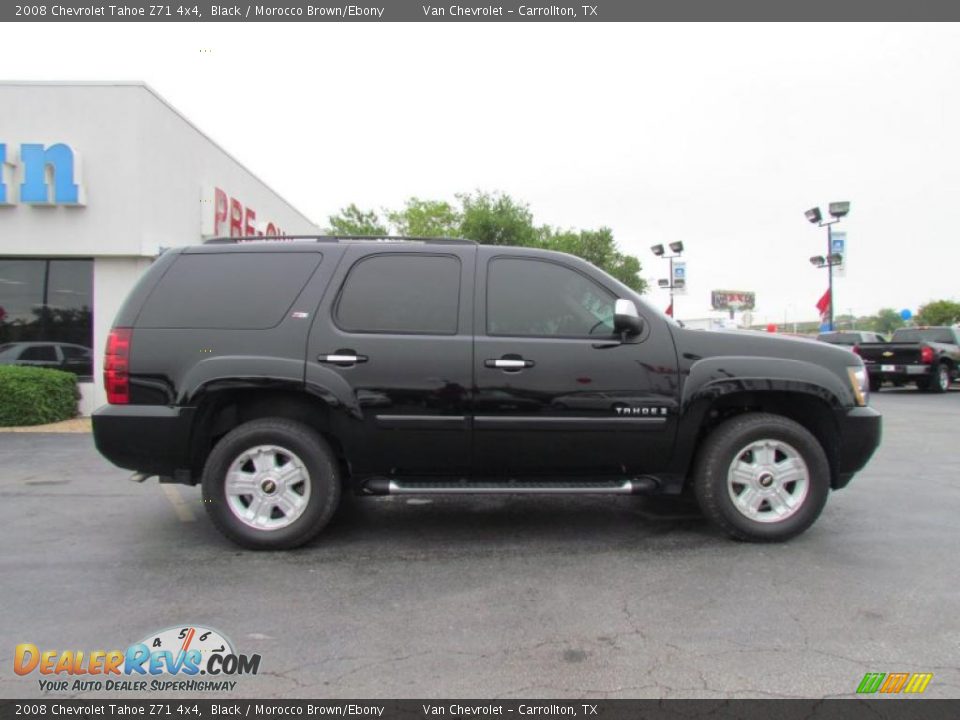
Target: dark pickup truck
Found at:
x=279, y=374
x=928, y=356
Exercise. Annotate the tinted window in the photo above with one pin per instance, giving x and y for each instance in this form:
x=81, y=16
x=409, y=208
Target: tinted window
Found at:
x=71, y=353
x=47, y=300
x=841, y=338
x=940, y=335
x=39, y=353
x=228, y=290
x=537, y=298
x=408, y=293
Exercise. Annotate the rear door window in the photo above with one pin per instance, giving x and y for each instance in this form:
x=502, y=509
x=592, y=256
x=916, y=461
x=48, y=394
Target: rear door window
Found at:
x=228, y=290
x=401, y=293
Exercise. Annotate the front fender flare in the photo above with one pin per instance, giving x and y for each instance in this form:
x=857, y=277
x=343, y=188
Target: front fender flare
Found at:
x=710, y=379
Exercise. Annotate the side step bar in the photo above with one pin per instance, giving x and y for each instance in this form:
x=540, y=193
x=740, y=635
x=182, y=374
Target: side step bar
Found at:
x=625, y=486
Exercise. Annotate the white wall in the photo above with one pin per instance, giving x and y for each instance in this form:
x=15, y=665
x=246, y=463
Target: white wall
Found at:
x=144, y=169
x=113, y=278
x=143, y=165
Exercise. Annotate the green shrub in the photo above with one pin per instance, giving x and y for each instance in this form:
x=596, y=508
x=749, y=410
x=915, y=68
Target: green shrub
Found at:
x=34, y=396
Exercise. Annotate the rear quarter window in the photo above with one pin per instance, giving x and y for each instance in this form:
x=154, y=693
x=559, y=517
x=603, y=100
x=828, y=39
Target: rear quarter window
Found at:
x=228, y=290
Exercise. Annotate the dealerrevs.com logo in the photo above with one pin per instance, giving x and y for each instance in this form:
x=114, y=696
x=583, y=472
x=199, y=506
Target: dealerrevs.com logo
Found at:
x=172, y=660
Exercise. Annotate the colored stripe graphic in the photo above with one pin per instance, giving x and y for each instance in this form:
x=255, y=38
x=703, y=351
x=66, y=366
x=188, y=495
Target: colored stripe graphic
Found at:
x=871, y=682
x=918, y=682
x=894, y=682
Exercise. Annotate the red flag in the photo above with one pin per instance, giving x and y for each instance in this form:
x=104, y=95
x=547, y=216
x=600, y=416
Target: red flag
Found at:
x=823, y=305
x=670, y=310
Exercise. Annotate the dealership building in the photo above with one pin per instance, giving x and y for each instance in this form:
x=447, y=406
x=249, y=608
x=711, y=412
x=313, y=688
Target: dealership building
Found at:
x=96, y=180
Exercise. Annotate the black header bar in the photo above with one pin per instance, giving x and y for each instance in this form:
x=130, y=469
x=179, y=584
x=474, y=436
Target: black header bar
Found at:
x=189, y=709
x=467, y=11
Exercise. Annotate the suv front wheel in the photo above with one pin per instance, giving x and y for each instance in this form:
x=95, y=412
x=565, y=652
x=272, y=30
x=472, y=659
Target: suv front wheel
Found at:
x=762, y=477
x=271, y=484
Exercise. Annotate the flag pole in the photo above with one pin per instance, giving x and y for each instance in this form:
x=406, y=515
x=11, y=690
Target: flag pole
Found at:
x=830, y=274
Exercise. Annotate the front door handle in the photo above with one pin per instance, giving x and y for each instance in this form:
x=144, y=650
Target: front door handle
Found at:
x=343, y=358
x=512, y=363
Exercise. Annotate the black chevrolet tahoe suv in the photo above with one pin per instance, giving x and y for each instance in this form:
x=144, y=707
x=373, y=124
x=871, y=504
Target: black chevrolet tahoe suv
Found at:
x=280, y=374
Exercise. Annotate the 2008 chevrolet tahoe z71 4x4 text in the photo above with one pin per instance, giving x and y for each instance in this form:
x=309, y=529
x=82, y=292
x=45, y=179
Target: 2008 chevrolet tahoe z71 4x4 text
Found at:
x=279, y=374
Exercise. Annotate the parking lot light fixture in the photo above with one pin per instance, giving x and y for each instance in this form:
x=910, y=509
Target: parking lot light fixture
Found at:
x=677, y=249
x=837, y=211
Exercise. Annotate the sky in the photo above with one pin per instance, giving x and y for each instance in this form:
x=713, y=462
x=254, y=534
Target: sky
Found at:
x=719, y=136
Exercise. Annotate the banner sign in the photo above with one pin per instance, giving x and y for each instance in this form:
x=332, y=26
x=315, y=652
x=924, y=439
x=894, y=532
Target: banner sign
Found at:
x=838, y=245
x=679, y=279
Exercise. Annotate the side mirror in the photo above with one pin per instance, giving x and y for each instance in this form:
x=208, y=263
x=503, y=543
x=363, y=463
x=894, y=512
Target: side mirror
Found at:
x=626, y=319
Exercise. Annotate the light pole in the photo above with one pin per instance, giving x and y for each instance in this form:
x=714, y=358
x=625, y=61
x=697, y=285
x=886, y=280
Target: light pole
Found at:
x=677, y=249
x=831, y=259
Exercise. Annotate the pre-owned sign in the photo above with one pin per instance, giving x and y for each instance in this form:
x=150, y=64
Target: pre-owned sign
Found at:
x=224, y=215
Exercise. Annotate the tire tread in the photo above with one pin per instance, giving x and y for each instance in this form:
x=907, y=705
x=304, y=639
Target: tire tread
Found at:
x=710, y=468
x=319, y=452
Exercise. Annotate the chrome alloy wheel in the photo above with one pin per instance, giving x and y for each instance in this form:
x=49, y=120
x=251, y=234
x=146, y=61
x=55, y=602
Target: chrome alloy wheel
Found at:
x=267, y=487
x=943, y=377
x=768, y=481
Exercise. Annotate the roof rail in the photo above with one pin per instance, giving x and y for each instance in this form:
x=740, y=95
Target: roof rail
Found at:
x=337, y=239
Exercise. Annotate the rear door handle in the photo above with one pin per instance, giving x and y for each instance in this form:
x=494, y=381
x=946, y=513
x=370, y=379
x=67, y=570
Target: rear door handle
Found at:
x=508, y=363
x=344, y=358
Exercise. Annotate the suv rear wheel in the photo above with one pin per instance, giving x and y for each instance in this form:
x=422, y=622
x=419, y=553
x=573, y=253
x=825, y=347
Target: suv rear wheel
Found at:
x=271, y=484
x=762, y=477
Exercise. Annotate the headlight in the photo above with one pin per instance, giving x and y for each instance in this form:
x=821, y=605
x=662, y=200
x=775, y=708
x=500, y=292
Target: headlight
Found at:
x=860, y=382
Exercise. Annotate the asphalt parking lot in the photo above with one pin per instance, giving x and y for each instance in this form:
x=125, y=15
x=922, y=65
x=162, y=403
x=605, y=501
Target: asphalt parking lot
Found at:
x=497, y=597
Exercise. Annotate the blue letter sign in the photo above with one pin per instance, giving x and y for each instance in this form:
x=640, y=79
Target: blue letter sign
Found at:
x=3, y=184
x=34, y=189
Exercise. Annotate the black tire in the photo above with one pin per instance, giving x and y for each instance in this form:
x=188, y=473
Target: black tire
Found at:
x=876, y=382
x=322, y=472
x=939, y=382
x=719, y=451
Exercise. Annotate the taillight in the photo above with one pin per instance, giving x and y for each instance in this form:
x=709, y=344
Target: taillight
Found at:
x=926, y=354
x=856, y=349
x=116, y=366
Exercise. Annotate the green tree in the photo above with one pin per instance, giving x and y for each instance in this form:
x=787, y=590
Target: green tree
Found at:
x=351, y=220
x=496, y=219
x=885, y=321
x=939, y=312
x=426, y=218
x=493, y=219
x=597, y=247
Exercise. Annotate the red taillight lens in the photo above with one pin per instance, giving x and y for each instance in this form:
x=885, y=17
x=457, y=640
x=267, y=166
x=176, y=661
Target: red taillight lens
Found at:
x=856, y=349
x=116, y=366
x=926, y=355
